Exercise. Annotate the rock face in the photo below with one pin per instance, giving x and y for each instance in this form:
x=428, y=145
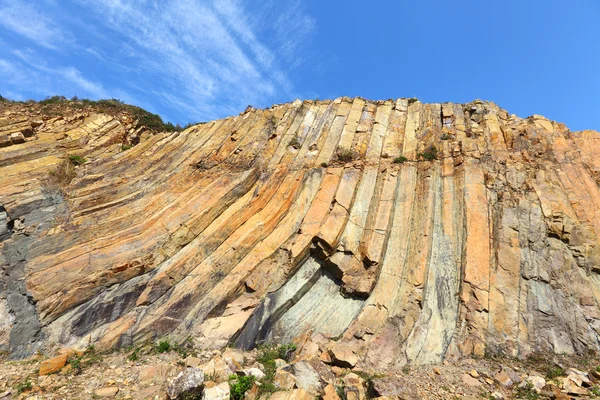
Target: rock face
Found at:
x=409, y=232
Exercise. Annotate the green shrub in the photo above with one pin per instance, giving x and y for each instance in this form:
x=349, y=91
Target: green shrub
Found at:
x=400, y=160
x=3, y=99
x=267, y=354
x=24, y=386
x=412, y=100
x=75, y=363
x=527, y=392
x=134, y=356
x=53, y=100
x=555, y=372
x=163, y=346
x=341, y=392
x=125, y=147
x=324, y=165
x=146, y=118
x=239, y=385
x=77, y=160
x=430, y=153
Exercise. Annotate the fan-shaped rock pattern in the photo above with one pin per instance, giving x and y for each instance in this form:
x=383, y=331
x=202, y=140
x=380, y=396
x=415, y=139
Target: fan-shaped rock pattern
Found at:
x=410, y=232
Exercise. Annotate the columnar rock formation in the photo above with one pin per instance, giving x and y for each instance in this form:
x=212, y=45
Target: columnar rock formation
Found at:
x=411, y=232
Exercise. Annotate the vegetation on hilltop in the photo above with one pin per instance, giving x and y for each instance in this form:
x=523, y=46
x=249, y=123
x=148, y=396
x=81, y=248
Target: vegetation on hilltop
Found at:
x=52, y=104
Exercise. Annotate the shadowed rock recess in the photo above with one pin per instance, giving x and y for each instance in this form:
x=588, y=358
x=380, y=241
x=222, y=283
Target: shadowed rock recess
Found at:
x=412, y=232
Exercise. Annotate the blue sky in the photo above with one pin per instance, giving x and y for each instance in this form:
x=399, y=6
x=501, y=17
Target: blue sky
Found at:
x=196, y=60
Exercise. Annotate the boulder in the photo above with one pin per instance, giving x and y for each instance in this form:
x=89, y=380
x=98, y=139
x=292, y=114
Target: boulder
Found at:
x=218, y=368
x=503, y=379
x=393, y=387
x=470, y=381
x=17, y=138
x=234, y=355
x=109, y=391
x=188, y=380
x=307, y=377
x=294, y=394
x=155, y=374
x=192, y=361
x=343, y=355
x=354, y=387
x=284, y=380
x=255, y=372
x=536, y=381
x=53, y=365
x=330, y=393
x=217, y=392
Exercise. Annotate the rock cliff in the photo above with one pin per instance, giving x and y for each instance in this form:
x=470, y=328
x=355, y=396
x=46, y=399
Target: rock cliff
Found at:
x=406, y=232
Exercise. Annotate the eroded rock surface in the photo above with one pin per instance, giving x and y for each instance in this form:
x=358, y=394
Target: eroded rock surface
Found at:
x=450, y=230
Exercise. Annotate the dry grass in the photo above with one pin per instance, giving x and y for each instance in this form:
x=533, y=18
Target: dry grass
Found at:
x=63, y=174
x=345, y=155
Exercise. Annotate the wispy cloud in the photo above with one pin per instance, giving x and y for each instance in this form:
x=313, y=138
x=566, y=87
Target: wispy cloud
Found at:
x=25, y=19
x=25, y=73
x=188, y=59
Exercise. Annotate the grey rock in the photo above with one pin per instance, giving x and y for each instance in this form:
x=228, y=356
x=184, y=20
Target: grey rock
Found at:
x=191, y=379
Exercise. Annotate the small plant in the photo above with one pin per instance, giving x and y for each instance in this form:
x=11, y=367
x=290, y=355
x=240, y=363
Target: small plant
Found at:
x=267, y=354
x=446, y=136
x=24, y=386
x=324, y=164
x=527, y=392
x=345, y=155
x=555, y=372
x=3, y=99
x=77, y=160
x=400, y=160
x=406, y=369
x=341, y=392
x=211, y=377
x=75, y=363
x=273, y=119
x=163, y=346
x=412, y=100
x=125, y=147
x=63, y=174
x=430, y=153
x=180, y=349
x=53, y=100
x=239, y=385
x=192, y=394
x=134, y=356
x=595, y=390
x=295, y=143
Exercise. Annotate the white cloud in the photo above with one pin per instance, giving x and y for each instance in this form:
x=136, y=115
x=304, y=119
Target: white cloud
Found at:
x=25, y=74
x=209, y=52
x=26, y=20
x=193, y=59
x=71, y=74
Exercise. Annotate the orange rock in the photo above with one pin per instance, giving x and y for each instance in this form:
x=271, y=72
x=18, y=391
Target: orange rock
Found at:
x=53, y=365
